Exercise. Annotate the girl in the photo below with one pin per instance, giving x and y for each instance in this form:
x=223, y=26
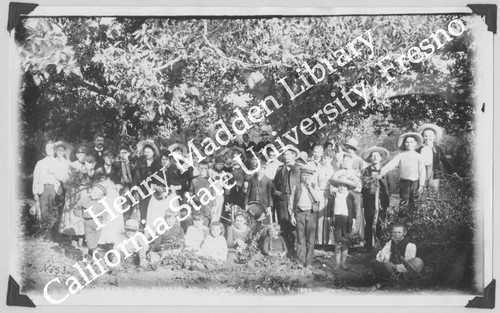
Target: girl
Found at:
x=275, y=245
x=238, y=235
x=343, y=217
x=196, y=233
x=215, y=245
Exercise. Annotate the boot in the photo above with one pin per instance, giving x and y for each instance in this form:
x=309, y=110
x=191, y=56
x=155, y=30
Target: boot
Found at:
x=337, y=260
x=343, y=262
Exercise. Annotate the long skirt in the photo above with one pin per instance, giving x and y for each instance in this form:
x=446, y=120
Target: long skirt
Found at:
x=113, y=229
x=71, y=224
x=323, y=228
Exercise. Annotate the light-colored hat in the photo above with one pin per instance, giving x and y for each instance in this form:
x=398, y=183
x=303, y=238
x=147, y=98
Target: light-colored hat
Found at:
x=415, y=265
x=178, y=146
x=132, y=224
x=436, y=129
x=307, y=169
x=294, y=149
x=303, y=156
x=343, y=180
x=384, y=153
x=148, y=142
x=352, y=143
x=417, y=137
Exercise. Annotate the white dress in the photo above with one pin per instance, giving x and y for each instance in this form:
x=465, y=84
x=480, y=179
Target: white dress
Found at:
x=158, y=208
x=113, y=229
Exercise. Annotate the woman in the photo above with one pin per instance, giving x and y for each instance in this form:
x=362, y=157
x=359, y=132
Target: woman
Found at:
x=435, y=160
x=145, y=167
x=76, y=188
x=105, y=174
x=159, y=205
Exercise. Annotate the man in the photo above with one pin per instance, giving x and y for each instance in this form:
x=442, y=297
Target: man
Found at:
x=260, y=189
x=263, y=142
x=303, y=209
x=411, y=168
x=99, y=148
x=397, y=256
x=246, y=144
x=323, y=172
x=375, y=191
x=351, y=147
x=273, y=165
x=287, y=177
x=45, y=182
x=124, y=169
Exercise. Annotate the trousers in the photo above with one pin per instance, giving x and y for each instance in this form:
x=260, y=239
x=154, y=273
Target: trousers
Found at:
x=306, y=235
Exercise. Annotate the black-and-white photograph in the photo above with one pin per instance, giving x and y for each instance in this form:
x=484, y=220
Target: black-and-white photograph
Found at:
x=251, y=154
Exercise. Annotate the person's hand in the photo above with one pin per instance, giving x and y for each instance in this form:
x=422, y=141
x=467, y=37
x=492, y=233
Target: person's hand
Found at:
x=420, y=189
x=278, y=193
x=262, y=217
x=332, y=229
x=282, y=255
x=246, y=207
x=353, y=221
x=36, y=197
x=268, y=210
x=293, y=220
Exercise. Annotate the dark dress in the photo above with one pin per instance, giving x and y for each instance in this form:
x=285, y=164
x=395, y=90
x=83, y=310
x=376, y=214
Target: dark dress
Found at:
x=141, y=173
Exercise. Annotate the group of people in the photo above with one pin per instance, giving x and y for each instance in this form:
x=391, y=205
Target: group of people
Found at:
x=324, y=195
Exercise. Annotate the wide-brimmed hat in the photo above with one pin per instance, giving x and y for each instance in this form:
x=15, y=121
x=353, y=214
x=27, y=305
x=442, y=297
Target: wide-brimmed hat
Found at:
x=148, y=142
x=436, y=129
x=307, y=169
x=178, y=146
x=66, y=145
x=415, y=265
x=351, y=143
x=366, y=154
x=343, y=180
x=256, y=209
x=240, y=150
x=132, y=224
x=303, y=156
x=294, y=149
x=417, y=136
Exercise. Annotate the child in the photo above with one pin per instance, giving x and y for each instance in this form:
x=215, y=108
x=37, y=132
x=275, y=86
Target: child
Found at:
x=90, y=201
x=343, y=217
x=215, y=245
x=132, y=230
x=196, y=233
x=199, y=183
x=215, y=173
x=172, y=241
x=274, y=245
x=411, y=168
x=238, y=235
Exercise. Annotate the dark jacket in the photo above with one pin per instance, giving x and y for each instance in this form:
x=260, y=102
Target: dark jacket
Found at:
x=297, y=193
x=351, y=209
x=370, y=184
x=439, y=162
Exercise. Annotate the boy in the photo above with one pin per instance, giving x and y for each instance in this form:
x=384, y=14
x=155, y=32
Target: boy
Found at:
x=172, y=241
x=45, y=182
x=397, y=256
x=199, y=182
x=411, y=168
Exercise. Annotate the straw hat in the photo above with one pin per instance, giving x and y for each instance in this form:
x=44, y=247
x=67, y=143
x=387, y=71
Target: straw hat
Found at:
x=148, y=142
x=417, y=137
x=132, y=224
x=365, y=155
x=294, y=149
x=436, y=129
x=352, y=143
x=256, y=209
x=178, y=146
x=303, y=156
x=415, y=265
x=67, y=146
x=343, y=180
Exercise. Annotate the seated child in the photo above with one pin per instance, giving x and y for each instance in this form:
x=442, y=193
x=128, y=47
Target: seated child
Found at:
x=215, y=245
x=172, y=241
x=238, y=235
x=127, y=243
x=196, y=233
x=274, y=245
x=343, y=215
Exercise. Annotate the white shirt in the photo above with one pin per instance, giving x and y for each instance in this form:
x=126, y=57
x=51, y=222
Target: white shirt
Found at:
x=272, y=168
x=384, y=255
x=340, y=207
x=41, y=175
x=411, y=166
x=427, y=154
